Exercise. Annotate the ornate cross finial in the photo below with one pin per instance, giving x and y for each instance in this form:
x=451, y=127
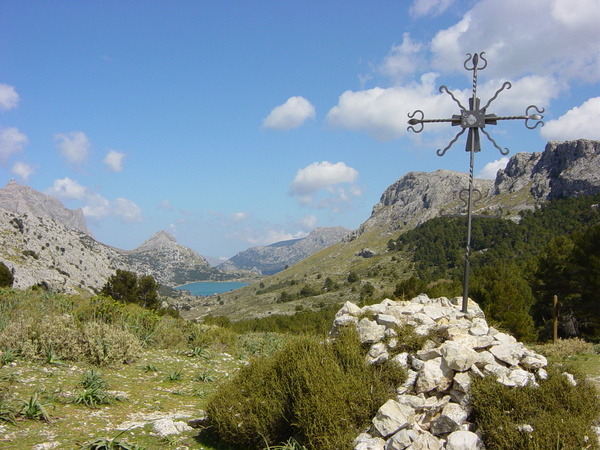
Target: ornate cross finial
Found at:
x=474, y=119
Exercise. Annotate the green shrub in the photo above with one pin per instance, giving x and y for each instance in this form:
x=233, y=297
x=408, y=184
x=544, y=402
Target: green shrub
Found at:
x=303, y=391
x=104, y=344
x=61, y=339
x=6, y=276
x=560, y=414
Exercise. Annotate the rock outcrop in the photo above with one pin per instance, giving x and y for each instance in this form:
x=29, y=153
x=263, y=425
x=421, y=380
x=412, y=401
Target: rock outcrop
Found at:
x=275, y=257
x=42, y=251
x=25, y=200
x=563, y=169
x=432, y=407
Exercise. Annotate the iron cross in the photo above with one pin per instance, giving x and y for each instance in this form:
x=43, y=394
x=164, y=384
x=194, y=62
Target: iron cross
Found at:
x=474, y=118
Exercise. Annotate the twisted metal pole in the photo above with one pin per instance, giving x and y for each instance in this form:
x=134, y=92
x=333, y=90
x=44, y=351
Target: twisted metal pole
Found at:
x=474, y=119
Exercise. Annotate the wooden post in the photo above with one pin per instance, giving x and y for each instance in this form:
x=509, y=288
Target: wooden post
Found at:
x=555, y=318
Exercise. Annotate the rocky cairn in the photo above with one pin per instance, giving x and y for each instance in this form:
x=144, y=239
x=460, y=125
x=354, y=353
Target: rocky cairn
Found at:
x=432, y=407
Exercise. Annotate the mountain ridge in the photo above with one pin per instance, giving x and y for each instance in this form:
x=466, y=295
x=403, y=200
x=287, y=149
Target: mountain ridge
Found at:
x=270, y=259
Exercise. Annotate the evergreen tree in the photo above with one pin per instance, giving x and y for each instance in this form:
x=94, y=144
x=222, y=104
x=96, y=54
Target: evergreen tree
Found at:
x=126, y=287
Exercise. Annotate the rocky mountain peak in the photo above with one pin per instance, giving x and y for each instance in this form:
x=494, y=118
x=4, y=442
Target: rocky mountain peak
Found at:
x=21, y=199
x=563, y=169
x=159, y=239
x=568, y=169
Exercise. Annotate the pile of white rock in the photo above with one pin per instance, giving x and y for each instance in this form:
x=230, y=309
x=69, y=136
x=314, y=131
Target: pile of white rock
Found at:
x=432, y=407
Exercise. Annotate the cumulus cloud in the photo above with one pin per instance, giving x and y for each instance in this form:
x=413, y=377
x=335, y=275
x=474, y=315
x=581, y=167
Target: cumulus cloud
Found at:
x=553, y=38
x=403, y=59
x=541, y=47
x=383, y=112
x=292, y=114
x=95, y=206
x=490, y=170
x=324, y=185
x=9, y=98
x=308, y=222
x=581, y=122
x=11, y=141
x=114, y=160
x=74, y=146
x=22, y=170
x=127, y=210
x=421, y=8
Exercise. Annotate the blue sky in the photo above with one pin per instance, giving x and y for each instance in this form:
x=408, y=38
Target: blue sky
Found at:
x=233, y=124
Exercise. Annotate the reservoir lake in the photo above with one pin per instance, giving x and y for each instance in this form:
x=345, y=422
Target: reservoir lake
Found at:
x=206, y=288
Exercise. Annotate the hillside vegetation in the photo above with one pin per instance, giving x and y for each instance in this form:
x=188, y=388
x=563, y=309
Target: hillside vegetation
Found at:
x=516, y=270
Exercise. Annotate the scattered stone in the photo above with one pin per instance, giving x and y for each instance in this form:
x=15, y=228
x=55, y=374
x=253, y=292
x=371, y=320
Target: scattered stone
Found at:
x=392, y=417
x=464, y=440
x=166, y=427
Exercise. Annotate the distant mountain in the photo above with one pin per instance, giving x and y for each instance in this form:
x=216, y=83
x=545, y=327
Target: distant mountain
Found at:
x=170, y=263
x=25, y=200
x=44, y=243
x=276, y=257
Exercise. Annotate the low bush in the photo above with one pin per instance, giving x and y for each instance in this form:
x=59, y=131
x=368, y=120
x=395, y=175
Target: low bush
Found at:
x=95, y=342
x=560, y=414
x=322, y=394
x=566, y=347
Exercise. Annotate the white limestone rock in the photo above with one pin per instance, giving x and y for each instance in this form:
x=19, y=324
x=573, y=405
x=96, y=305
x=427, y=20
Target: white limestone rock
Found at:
x=365, y=442
x=392, y=417
x=451, y=418
x=435, y=375
x=510, y=354
x=458, y=357
x=464, y=440
x=369, y=331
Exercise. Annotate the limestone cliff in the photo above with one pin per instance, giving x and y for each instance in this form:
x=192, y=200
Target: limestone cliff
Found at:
x=25, y=200
x=563, y=169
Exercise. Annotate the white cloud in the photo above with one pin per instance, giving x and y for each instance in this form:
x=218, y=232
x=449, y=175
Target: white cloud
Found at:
x=292, y=114
x=581, y=122
x=556, y=38
x=403, y=59
x=74, y=146
x=383, y=113
x=22, y=170
x=11, y=141
x=318, y=185
x=433, y=8
x=67, y=189
x=114, y=160
x=95, y=206
x=541, y=47
x=490, y=170
x=322, y=175
x=9, y=98
x=241, y=216
x=127, y=210
x=308, y=222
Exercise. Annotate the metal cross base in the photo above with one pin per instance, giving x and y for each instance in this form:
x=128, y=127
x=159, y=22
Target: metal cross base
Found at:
x=474, y=119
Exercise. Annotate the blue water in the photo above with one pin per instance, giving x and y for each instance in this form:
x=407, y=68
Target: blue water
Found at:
x=205, y=288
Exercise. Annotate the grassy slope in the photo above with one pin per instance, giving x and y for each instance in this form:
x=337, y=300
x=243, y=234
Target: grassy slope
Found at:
x=336, y=262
